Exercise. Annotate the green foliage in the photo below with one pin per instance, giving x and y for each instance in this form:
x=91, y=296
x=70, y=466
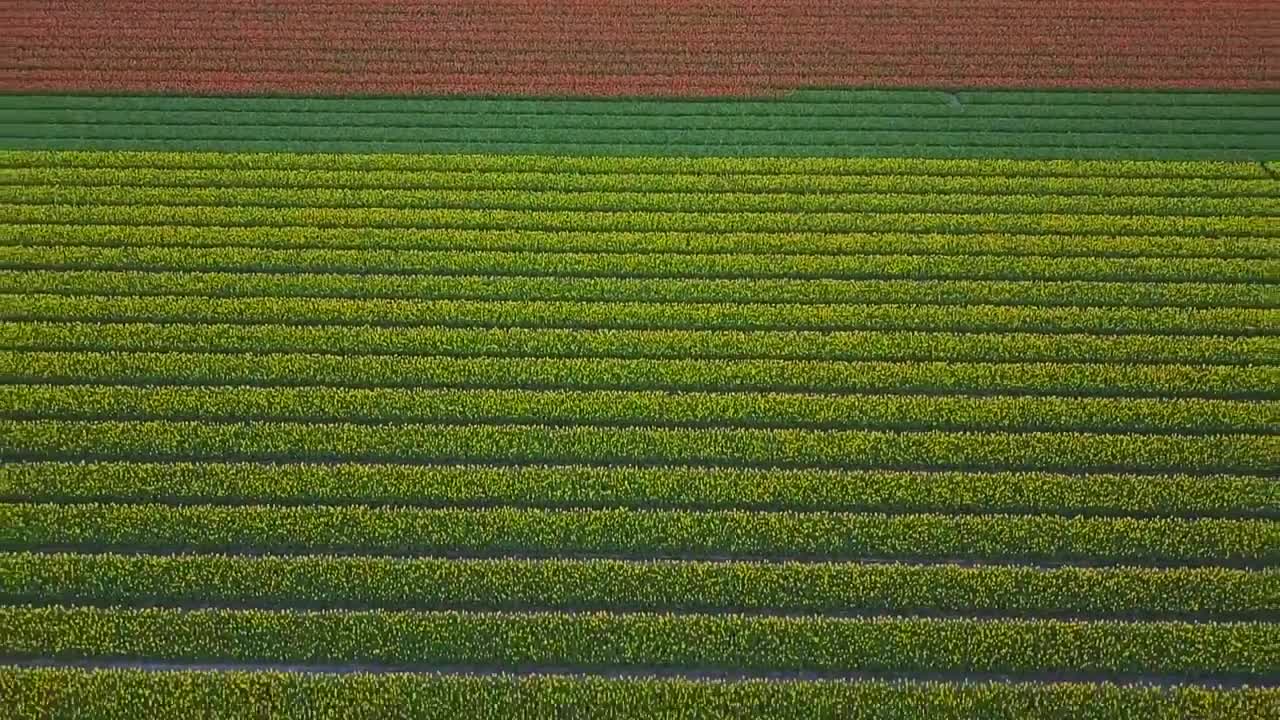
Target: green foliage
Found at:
x=603, y=373
x=645, y=315
x=637, y=533
x=639, y=487
x=129, y=694
x=587, y=640
x=673, y=344
x=642, y=408
x=431, y=583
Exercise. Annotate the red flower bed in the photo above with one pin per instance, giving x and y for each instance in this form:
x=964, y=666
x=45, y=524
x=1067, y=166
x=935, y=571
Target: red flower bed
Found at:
x=633, y=47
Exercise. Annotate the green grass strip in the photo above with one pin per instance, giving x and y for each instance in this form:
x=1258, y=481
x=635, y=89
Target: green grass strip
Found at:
x=1073, y=451
x=638, y=487
x=642, y=533
x=719, y=266
x=671, y=344
x=647, y=408
x=1096, y=293
x=642, y=315
x=349, y=370
x=515, y=584
x=122, y=694
x=600, y=639
x=936, y=244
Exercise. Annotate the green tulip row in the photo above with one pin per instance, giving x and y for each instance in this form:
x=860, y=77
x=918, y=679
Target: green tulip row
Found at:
x=540, y=444
x=641, y=315
x=355, y=124
x=788, y=243
x=638, y=487
x=671, y=344
x=639, y=533
x=1194, y=146
x=1082, y=293
x=1032, y=220
x=639, y=640
x=815, y=376
x=515, y=584
x=625, y=200
x=124, y=694
x=569, y=180
x=643, y=408
x=644, y=265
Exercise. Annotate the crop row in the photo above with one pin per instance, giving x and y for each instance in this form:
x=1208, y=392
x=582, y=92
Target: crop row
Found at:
x=642, y=533
x=644, y=264
x=1084, y=293
x=629, y=201
x=429, y=583
x=590, y=640
x=943, y=220
x=515, y=584
x=434, y=443
x=351, y=370
x=641, y=408
x=636, y=344
x=387, y=125
x=127, y=141
x=775, y=129
x=571, y=80
x=849, y=186
x=724, y=167
x=180, y=695
x=642, y=315
x=791, y=243
x=568, y=486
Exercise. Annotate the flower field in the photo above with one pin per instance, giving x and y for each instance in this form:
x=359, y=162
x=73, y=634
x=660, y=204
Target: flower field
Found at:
x=638, y=47
x=658, y=359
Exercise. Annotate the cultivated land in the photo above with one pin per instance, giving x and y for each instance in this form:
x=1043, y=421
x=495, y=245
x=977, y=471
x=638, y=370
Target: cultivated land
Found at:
x=639, y=47
x=802, y=403
x=711, y=417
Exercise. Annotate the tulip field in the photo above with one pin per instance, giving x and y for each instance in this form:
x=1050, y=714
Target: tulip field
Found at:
x=590, y=358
